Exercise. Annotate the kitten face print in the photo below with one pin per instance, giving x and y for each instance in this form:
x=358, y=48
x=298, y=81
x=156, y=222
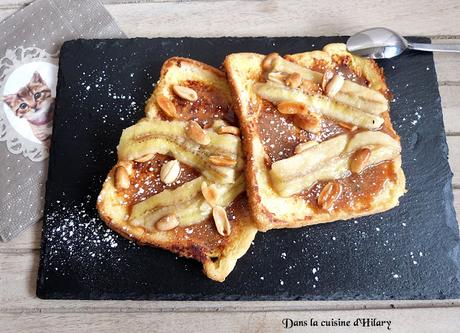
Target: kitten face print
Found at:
x=33, y=104
x=33, y=101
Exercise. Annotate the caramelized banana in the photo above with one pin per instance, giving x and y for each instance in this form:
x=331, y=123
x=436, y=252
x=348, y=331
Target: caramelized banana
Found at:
x=185, y=201
x=169, y=138
x=277, y=93
x=351, y=93
x=330, y=160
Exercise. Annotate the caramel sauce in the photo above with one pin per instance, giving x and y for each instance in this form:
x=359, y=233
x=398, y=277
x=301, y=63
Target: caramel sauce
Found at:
x=348, y=74
x=319, y=65
x=358, y=190
x=206, y=236
x=209, y=106
x=342, y=68
x=145, y=179
x=280, y=136
x=145, y=182
x=278, y=133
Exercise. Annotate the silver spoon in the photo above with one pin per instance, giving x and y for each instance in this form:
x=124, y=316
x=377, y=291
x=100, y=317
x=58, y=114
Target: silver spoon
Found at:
x=380, y=43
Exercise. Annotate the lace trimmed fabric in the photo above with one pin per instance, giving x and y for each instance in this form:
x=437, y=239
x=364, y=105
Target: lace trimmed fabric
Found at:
x=15, y=142
x=30, y=40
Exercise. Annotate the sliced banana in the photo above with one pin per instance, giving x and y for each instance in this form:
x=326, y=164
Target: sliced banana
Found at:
x=169, y=138
x=185, y=201
x=277, y=93
x=371, y=138
x=329, y=159
x=284, y=66
x=351, y=93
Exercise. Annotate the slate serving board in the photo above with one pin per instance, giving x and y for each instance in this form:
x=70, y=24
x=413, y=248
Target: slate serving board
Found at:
x=410, y=252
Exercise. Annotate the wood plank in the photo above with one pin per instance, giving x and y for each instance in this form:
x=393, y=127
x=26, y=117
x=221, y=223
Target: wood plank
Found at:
x=409, y=320
x=451, y=107
x=29, y=240
x=454, y=160
x=269, y=17
x=4, y=13
x=17, y=294
x=19, y=3
x=284, y=18
x=447, y=64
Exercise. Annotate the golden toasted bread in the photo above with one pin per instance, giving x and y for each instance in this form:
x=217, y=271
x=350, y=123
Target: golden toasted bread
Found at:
x=319, y=143
x=179, y=181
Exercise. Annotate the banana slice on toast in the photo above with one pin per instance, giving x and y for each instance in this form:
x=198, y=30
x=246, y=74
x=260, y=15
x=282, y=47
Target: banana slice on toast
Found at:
x=318, y=138
x=179, y=183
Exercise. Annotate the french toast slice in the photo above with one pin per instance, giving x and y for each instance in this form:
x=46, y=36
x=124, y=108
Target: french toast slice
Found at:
x=319, y=143
x=179, y=182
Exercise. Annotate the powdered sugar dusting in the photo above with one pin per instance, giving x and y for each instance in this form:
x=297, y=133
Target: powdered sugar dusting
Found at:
x=76, y=234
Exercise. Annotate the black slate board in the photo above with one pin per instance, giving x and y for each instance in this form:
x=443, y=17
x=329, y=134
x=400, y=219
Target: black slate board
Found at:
x=410, y=252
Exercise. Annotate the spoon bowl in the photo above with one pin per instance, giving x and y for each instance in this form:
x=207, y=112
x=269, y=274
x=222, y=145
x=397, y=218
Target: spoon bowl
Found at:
x=377, y=43
x=382, y=43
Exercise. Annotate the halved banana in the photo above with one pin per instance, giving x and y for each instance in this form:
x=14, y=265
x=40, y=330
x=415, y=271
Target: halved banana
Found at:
x=308, y=160
x=351, y=93
x=181, y=194
x=371, y=138
x=185, y=201
x=187, y=213
x=329, y=160
x=277, y=93
x=362, y=102
x=284, y=66
x=168, y=138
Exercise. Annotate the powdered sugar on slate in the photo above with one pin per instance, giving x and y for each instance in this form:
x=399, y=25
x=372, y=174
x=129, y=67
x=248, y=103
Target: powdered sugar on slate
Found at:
x=76, y=235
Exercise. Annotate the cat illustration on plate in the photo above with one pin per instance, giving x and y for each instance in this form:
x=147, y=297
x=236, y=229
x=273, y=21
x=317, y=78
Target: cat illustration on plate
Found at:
x=34, y=103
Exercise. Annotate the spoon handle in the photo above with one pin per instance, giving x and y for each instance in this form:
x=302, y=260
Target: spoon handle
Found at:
x=434, y=47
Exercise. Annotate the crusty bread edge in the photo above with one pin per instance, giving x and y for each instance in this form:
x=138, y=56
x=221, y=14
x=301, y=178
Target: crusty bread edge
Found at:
x=258, y=211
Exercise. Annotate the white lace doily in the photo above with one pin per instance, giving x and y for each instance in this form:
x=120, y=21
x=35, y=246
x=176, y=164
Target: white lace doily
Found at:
x=16, y=143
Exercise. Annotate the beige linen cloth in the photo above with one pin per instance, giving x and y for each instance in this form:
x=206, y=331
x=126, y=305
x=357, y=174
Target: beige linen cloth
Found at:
x=30, y=40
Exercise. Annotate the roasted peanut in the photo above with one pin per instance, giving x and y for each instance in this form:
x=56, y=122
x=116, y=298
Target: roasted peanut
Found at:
x=229, y=130
x=222, y=160
x=121, y=178
x=221, y=221
x=196, y=133
x=310, y=122
x=185, y=93
x=209, y=193
x=359, y=160
x=267, y=63
x=292, y=108
x=167, y=106
x=170, y=171
x=329, y=194
x=334, y=85
x=166, y=223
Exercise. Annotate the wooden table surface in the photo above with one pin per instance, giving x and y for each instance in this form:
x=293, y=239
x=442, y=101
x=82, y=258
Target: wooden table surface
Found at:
x=21, y=311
